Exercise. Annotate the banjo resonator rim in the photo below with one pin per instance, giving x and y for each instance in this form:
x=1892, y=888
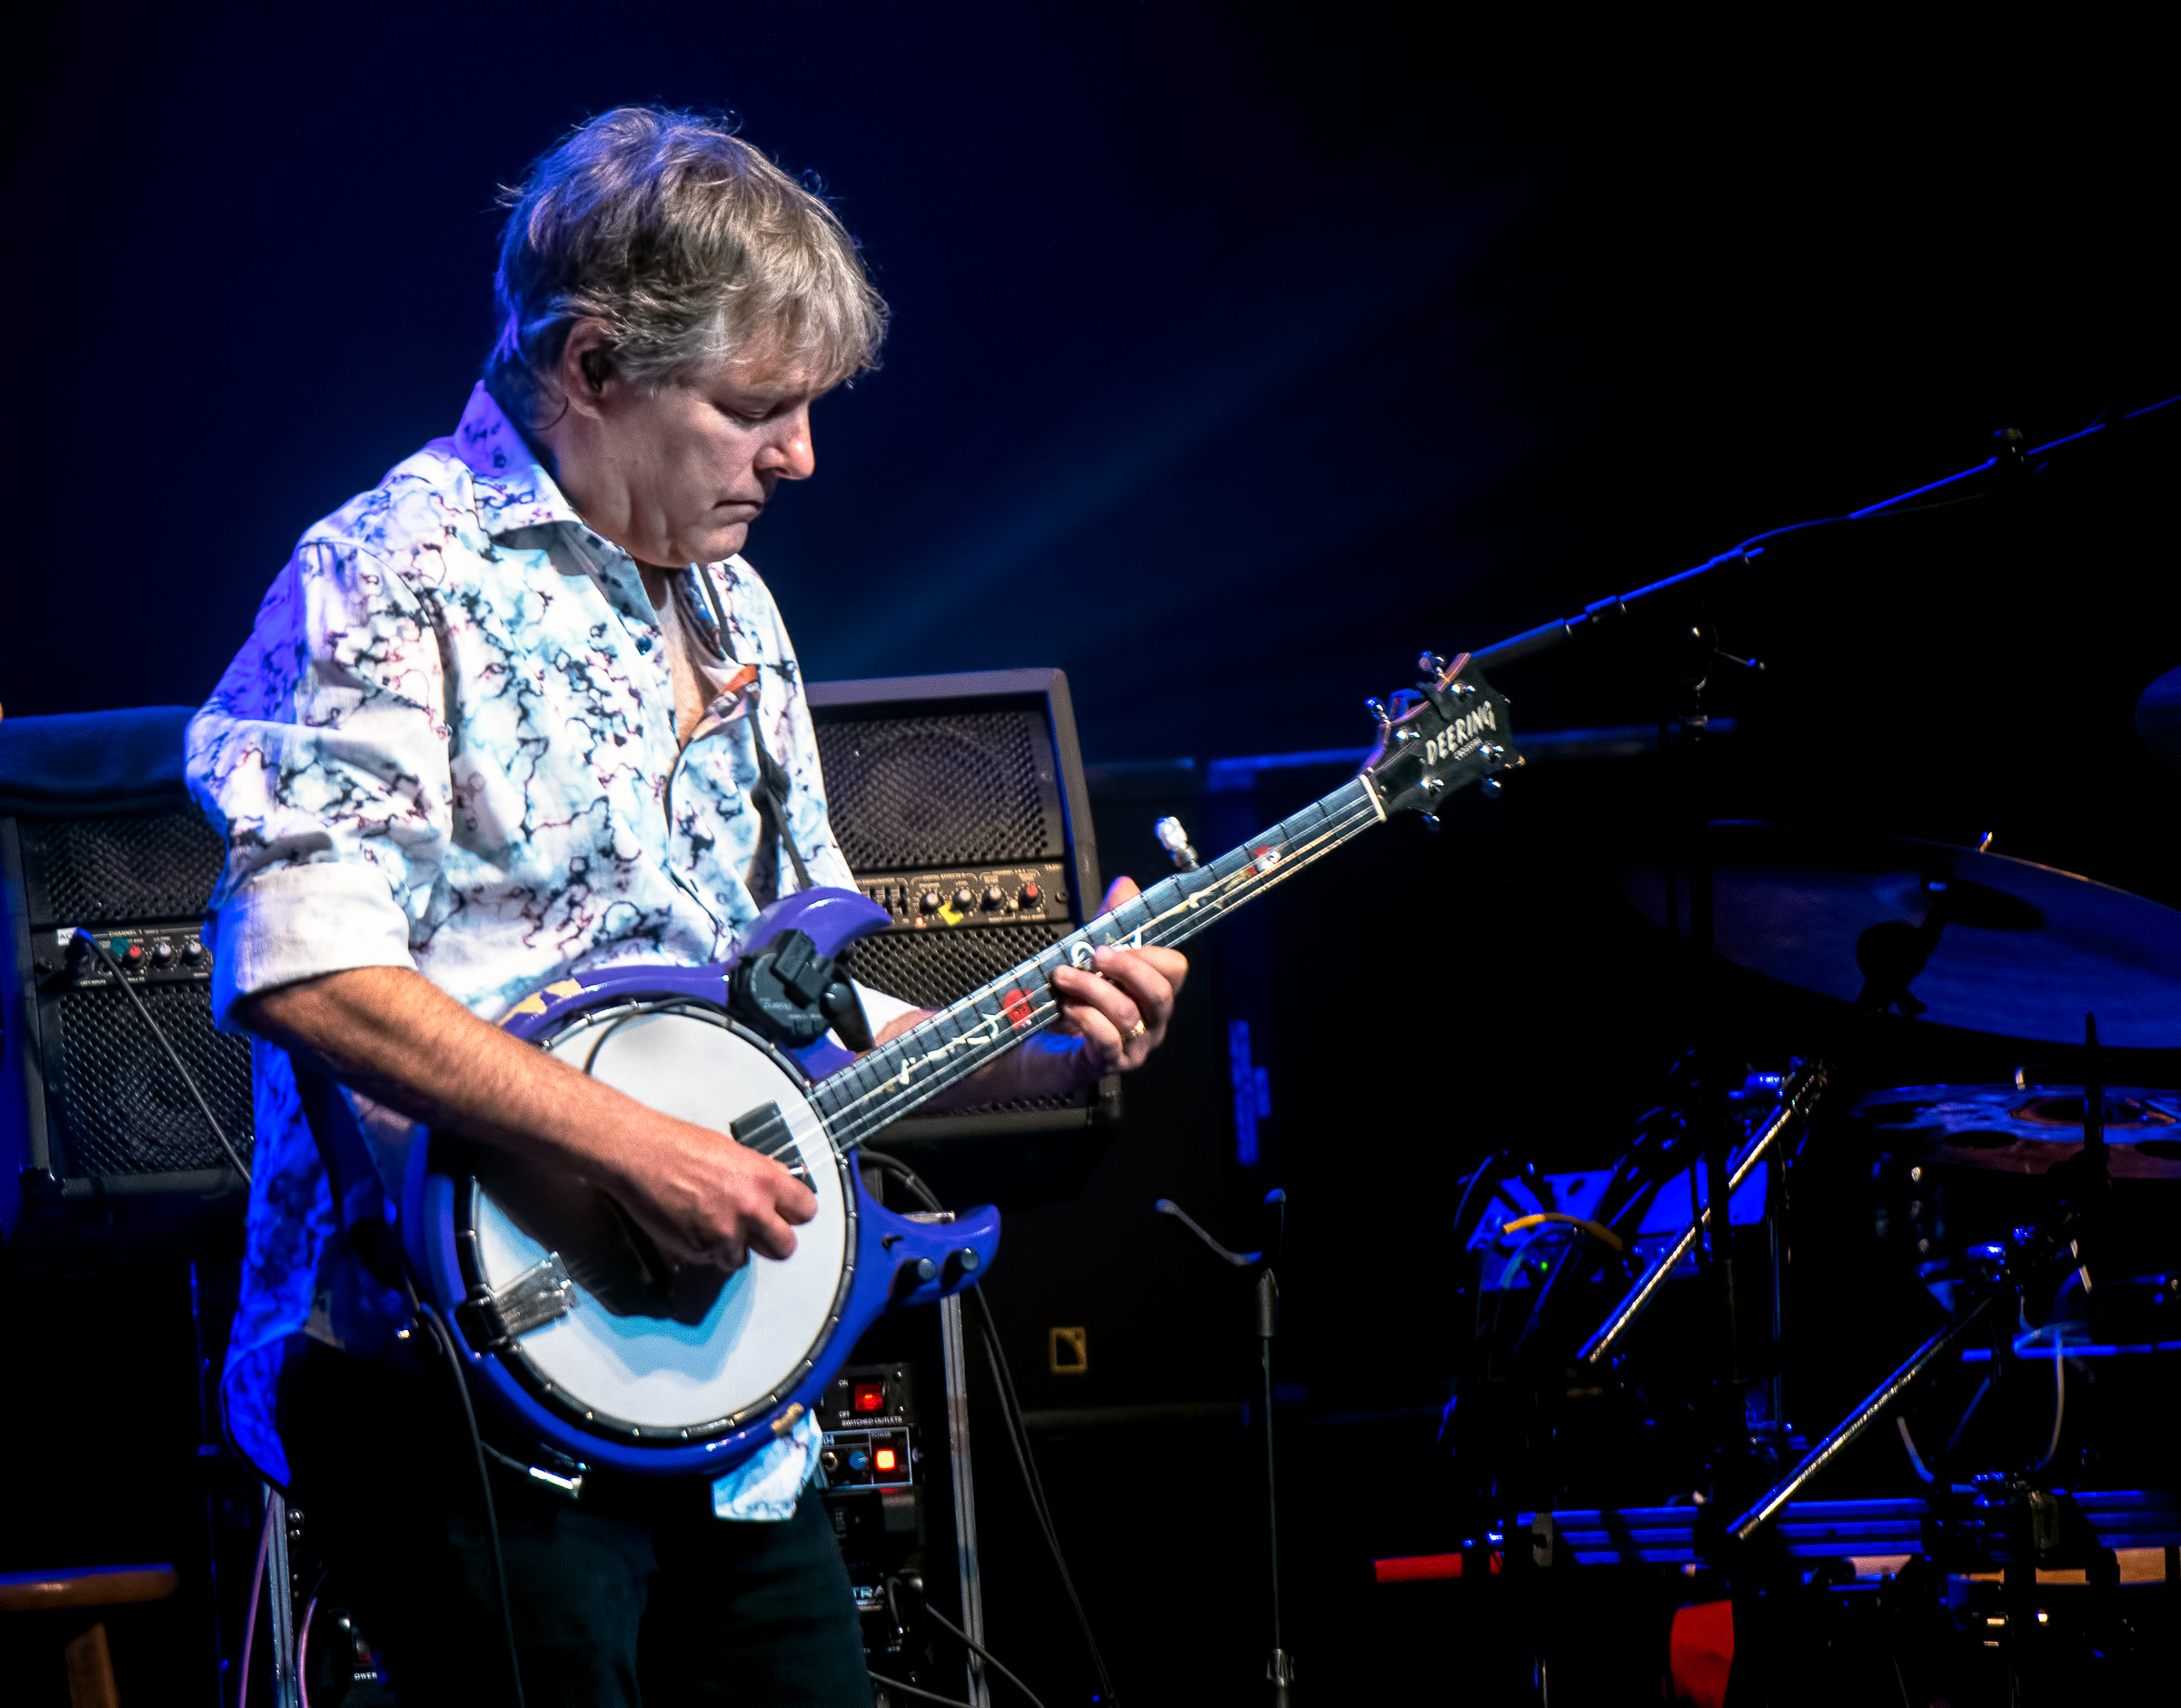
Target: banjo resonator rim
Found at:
x=518, y=1363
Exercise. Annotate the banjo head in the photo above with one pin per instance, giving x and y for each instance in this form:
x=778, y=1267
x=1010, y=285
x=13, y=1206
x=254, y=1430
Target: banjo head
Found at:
x=651, y=1352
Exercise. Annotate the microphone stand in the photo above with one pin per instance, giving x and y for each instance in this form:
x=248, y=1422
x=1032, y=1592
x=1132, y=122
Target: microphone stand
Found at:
x=2009, y=461
x=1280, y=1669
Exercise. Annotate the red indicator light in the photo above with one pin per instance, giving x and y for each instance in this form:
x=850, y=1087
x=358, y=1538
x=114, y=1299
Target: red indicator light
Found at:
x=868, y=1396
x=885, y=1458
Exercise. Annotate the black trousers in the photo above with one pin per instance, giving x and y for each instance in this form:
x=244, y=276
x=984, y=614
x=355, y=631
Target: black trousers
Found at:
x=634, y=1594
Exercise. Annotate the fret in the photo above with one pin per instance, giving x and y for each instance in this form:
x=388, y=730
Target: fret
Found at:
x=888, y=1082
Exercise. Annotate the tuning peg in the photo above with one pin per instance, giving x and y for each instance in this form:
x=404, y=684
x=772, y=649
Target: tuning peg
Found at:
x=1431, y=663
x=1377, y=709
x=1430, y=822
x=1489, y=788
x=1174, y=839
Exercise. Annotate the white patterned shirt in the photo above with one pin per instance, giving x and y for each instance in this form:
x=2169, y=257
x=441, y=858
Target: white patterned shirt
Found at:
x=450, y=744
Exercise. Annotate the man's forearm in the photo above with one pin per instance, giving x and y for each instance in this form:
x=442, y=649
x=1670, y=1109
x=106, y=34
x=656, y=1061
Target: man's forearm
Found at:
x=398, y=1038
x=402, y=1040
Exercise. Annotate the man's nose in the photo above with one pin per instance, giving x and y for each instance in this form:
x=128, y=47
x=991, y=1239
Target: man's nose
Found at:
x=787, y=452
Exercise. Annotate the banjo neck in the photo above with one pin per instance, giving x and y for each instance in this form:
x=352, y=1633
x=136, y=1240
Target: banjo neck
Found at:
x=886, y=1083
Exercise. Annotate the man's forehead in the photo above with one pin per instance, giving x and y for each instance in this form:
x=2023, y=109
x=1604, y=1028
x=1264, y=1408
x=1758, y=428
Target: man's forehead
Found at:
x=764, y=370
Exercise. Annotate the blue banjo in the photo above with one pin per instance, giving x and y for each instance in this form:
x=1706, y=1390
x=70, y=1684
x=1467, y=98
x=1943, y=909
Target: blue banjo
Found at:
x=567, y=1318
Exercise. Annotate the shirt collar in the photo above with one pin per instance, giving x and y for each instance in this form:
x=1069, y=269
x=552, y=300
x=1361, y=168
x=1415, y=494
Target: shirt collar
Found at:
x=513, y=490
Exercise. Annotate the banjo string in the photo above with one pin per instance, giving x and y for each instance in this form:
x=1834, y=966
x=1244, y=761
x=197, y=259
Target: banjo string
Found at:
x=848, y=1120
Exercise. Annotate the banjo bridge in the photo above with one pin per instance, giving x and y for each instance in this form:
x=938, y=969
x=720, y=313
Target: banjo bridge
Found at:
x=765, y=1130
x=497, y=1317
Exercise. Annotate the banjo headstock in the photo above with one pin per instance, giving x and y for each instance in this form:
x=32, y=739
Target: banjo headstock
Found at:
x=1450, y=731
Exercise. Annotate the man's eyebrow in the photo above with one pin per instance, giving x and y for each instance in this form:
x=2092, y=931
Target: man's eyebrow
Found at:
x=769, y=394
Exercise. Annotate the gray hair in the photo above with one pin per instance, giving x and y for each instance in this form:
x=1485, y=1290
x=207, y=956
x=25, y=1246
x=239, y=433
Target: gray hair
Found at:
x=689, y=245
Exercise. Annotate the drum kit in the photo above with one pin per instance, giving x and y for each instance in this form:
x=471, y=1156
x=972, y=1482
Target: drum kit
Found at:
x=2036, y=1220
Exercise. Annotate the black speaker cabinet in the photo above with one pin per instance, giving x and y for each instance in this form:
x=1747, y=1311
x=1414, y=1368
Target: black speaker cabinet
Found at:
x=107, y=1157
x=958, y=802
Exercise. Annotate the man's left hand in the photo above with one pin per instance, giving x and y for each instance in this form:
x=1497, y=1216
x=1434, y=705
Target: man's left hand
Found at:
x=1119, y=1010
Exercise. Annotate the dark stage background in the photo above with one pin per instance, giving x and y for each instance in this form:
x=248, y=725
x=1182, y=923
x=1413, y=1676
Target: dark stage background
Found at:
x=1237, y=352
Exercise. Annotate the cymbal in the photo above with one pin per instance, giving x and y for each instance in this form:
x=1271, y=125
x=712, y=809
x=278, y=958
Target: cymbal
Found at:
x=2016, y=1129
x=1959, y=939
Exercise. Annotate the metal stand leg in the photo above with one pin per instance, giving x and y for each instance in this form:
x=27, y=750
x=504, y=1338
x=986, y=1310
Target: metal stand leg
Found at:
x=280, y=1600
x=956, y=1365
x=1281, y=1668
x=1855, y=1424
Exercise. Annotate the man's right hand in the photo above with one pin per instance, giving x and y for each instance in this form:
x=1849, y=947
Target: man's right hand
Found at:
x=401, y=1040
x=704, y=1198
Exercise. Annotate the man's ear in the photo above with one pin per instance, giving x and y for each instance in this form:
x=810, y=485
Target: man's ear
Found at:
x=586, y=366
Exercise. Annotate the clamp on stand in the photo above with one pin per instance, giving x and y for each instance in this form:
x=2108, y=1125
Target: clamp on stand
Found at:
x=1279, y=1670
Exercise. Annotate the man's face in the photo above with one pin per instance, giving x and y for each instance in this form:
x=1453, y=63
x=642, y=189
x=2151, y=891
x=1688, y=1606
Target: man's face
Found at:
x=677, y=475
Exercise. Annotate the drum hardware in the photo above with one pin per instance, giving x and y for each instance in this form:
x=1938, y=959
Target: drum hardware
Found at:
x=1901, y=932
x=2058, y=1244
x=1798, y=1094
x=1848, y=1529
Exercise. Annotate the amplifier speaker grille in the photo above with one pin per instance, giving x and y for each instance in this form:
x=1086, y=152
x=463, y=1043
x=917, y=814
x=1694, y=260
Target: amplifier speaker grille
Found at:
x=961, y=771
x=110, y=870
x=932, y=969
x=937, y=790
x=128, y=1112
x=114, y=1159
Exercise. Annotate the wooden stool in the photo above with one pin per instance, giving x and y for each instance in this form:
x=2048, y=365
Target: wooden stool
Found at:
x=90, y=1664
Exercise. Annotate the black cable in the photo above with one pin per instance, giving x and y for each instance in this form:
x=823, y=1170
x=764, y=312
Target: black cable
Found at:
x=911, y=1690
x=121, y=978
x=1018, y=1435
x=983, y=1654
x=445, y=1342
x=1018, y=1432
x=902, y=1172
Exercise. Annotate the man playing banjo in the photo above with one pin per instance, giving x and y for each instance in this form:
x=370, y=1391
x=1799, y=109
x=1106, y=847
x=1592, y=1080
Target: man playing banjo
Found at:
x=521, y=711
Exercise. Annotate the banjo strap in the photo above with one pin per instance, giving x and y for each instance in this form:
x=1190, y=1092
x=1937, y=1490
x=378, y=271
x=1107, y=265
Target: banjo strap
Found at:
x=773, y=785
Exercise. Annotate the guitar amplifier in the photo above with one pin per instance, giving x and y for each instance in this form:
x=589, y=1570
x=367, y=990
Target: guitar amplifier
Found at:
x=959, y=805
x=105, y=1155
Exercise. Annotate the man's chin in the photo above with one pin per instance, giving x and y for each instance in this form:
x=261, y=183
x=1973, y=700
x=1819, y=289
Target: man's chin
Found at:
x=715, y=543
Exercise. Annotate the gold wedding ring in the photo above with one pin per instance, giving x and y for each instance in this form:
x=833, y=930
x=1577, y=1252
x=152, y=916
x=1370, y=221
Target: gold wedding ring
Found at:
x=1140, y=1030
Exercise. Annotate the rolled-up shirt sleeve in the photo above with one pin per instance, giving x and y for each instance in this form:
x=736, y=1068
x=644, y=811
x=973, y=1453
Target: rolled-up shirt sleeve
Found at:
x=323, y=757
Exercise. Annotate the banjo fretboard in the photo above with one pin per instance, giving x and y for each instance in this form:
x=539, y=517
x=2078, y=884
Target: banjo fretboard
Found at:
x=888, y=1083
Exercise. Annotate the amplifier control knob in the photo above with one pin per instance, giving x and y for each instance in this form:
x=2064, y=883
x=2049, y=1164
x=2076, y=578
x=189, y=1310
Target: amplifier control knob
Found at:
x=193, y=951
x=1031, y=895
x=995, y=897
x=133, y=957
x=965, y=898
x=162, y=953
x=928, y=902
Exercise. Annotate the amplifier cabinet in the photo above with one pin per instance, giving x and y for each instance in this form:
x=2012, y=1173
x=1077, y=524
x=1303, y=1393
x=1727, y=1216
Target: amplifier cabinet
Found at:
x=107, y=1156
x=959, y=805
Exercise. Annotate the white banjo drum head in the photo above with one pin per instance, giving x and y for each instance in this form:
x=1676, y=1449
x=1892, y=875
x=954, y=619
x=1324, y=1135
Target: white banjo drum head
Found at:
x=633, y=1361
